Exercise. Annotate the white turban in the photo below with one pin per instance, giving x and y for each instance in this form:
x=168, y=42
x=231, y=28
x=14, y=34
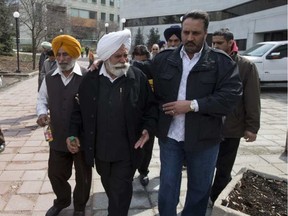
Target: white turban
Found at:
x=46, y=45
x=111, y=42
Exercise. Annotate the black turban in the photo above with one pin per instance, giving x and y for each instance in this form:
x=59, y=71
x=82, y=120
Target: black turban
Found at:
x=174, y=29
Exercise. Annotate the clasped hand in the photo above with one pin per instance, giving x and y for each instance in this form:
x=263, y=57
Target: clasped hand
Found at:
x=73, y=145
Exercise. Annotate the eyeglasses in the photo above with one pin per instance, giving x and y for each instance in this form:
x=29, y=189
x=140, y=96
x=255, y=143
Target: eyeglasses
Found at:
x=154, y=49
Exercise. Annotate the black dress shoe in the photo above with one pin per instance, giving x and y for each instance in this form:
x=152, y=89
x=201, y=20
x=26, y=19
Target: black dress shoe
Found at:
x=79, y=213
x=2, y=147
x=144, y=180
x=53, y=211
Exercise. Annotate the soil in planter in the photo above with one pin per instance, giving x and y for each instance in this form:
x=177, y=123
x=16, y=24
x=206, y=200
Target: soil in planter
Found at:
x=258, y=196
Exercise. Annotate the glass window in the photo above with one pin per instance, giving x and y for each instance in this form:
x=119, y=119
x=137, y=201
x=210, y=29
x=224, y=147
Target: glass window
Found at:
x=103, y=16
x=241, y=43
x=111, y=2
x=258, y=50
x=111, y=17
x=94, y=1
x=84, y=14
x=103, y=2
x=74, y=12
x=281, y=51
x=92, y=14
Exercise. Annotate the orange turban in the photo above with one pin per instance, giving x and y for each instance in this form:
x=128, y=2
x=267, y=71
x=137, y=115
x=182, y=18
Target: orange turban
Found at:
x=68, y=43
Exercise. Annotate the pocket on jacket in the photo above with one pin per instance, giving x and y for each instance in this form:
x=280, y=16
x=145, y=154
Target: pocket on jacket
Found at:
x=165, y=84
x=207, y=84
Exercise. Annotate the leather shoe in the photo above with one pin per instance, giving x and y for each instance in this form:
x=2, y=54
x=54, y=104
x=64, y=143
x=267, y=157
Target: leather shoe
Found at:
x=53, y=211
x=144, y=180
x=2, y=147
x=79, y=213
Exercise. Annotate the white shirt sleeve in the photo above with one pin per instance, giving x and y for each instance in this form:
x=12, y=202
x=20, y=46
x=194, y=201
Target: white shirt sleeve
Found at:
x=42, y=100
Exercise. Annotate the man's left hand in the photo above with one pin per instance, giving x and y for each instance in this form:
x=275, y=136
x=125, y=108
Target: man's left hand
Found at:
x=249, y=136
x=142, y=140
x=177, y=107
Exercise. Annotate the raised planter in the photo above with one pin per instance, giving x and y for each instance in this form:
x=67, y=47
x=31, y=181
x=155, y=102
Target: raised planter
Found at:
x=220, y=210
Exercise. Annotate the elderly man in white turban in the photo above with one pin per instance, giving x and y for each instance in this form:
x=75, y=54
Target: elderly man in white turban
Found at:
x=114, y=116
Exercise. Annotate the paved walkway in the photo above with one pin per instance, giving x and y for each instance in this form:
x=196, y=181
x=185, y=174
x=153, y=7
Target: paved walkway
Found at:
x=25, y=188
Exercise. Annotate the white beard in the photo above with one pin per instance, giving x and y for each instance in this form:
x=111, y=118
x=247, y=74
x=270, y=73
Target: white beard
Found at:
x=66, y=66
x=117, y=70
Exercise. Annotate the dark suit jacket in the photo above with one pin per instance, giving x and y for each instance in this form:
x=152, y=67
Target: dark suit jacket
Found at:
x=140, y=112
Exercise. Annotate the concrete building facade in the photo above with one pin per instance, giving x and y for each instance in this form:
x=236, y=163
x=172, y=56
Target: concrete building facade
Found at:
x=251, y=21
x=92, y=17
x=87, y=20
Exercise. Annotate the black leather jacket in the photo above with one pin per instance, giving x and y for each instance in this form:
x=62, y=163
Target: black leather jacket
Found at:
x=214, y=82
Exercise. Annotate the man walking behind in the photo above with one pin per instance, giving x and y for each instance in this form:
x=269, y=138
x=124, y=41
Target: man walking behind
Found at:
x=244, y=121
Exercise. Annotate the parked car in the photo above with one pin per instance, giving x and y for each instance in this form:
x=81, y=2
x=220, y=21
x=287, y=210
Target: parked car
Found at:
x=270, y=59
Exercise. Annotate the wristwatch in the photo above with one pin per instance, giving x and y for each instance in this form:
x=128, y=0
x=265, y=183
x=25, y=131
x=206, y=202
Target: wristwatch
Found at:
x=192, y=106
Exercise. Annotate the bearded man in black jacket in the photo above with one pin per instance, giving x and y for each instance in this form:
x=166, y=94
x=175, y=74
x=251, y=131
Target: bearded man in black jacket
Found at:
x=114, y=116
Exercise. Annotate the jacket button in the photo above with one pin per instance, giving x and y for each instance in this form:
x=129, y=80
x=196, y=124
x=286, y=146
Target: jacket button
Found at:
x=91, y=132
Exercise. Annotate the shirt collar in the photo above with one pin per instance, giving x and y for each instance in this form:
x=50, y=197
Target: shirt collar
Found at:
x=76, y=70
x=183, y=53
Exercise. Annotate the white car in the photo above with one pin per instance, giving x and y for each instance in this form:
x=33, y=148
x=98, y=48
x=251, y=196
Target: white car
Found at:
x=270, y=59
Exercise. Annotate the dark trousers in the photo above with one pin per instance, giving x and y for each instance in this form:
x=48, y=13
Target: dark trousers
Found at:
x=60, y=170
x=148, y=149
x=116, y=178
x=225, y=161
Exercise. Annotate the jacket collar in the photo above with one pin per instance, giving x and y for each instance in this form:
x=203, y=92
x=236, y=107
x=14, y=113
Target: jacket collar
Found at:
x=175, y=57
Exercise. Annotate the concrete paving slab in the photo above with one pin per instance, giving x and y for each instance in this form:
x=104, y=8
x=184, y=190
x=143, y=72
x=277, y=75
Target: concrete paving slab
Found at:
x=24, y=160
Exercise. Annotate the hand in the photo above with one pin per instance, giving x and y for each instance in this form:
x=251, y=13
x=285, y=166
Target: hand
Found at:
x=73, y=144
x=43, y=120
x=95, y=64
x=142, y=140
x=249, y=136
x=177, y=107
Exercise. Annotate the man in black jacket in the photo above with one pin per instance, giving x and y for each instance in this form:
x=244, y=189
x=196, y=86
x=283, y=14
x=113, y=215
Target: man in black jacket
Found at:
x=141, y=54
x=195, y=87
x=113, y=117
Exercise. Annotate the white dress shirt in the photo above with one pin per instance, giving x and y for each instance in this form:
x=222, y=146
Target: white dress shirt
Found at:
x=177, y=127
x=42, y=100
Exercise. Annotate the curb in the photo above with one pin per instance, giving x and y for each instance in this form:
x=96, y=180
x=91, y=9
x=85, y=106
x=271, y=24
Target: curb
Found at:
x=9, y=79
x=221, y=210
